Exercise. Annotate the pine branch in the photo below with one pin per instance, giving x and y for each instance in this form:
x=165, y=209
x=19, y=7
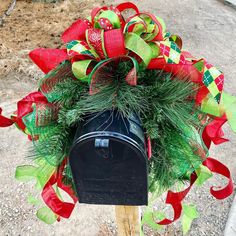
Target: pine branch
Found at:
x=117, y=95
x=173, y=159
x=69, y=92
x=53, y=144
x=170, y=102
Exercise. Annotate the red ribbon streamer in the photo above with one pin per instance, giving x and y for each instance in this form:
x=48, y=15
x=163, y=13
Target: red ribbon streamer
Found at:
x=213, y=132
x=24, y=107
x=63, y=209
x=48, y=59
x=4, y=121
x=175, y=199
x=219, y=168
x=181, y=71
x=149, y=148
x=76, y=31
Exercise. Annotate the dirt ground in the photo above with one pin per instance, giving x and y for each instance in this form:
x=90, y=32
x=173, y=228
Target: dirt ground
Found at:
x=208, y=30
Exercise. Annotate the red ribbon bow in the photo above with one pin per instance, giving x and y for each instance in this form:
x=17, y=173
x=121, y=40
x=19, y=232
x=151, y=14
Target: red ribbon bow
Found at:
x=24, y=107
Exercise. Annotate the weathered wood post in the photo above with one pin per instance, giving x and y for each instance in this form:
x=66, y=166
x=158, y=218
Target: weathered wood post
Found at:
x=128, y=220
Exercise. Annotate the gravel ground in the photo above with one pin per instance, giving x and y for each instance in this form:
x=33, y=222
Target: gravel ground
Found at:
x=207, y=28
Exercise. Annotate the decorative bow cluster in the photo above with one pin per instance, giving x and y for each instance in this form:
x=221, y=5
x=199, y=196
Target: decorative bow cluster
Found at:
x=142, y=39
x=142, y=36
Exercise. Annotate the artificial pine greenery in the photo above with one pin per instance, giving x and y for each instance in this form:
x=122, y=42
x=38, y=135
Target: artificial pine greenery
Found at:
x=165, y=106
x=69, y=91
x=171, y=124
x=53, y=144
x=118, y=95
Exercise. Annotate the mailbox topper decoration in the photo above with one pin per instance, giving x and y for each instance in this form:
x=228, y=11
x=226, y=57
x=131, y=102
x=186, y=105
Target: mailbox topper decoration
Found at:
x=125, y=65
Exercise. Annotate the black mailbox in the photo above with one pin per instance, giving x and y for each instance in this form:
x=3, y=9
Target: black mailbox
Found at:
x=108, y=160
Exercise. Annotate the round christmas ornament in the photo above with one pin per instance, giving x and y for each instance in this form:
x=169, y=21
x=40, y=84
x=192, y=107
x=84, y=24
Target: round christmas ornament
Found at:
x=122, y=111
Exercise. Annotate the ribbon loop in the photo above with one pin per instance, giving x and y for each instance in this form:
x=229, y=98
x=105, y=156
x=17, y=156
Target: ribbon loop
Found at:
x=127, y=5
x=137, y=45
x=114, y=43
x=100, y=77
x=80, y=50
x=76, y=31
x=95, y=39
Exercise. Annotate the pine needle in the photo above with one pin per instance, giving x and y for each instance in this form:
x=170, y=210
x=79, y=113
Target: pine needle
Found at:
x=118, y=95
x=53, y=145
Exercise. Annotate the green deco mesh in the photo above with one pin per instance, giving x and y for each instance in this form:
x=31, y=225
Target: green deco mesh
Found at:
x=43, y=115
x=174, y=158
x=50, y=139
